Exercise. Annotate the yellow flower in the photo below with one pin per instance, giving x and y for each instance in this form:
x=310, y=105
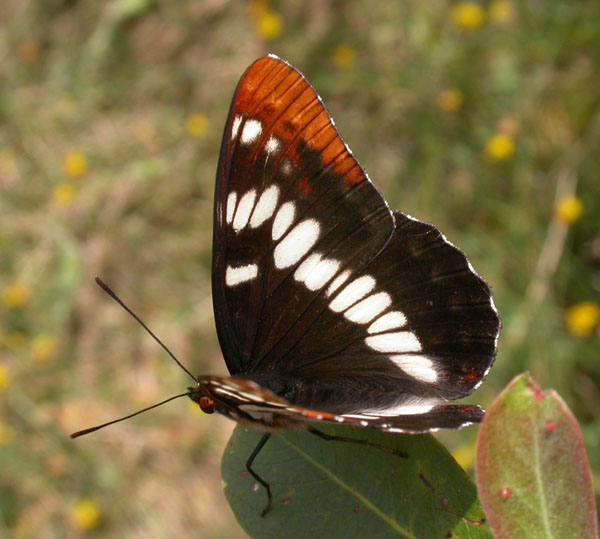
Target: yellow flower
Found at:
x=269, y=25
x=465, y=455
x=63, y=193
x=344, y=57
x=501, y=11
x=15, y=341
x=6, y=434
x=43, y=347
x=467, y=15
x=500, y=147
x=4, y=378
x=85, y=514
x=582, y=318
x=568, y=209
x=75, y=164
x=196, y=125
x=449, y=100
x=15, y=296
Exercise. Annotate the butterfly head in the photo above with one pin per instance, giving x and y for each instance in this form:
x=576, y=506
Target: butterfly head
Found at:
x=211, y=395
x=226, y=395
x=206, y=403
x=244, y=401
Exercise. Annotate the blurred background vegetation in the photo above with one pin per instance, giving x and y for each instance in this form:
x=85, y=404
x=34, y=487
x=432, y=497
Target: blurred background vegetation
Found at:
x=482, y=117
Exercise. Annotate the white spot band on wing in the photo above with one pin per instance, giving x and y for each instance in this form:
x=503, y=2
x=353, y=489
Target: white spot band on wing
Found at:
x=251, y=131
x=315, y=271
x=286, y=167
x=231, y=200
x=235, y=276
x=367, y=309
x=265, y=207
x=283, y=220
x=391, y=320
x=235, y=126
x=272, y=145
x=413, y=407
x=337, y=282
x=352, y=292
x=398, y=342
x=419, y=367
x=296, y=243
x=243, y=210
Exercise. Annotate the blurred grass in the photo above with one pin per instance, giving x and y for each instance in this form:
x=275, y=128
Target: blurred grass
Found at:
x=111, y=115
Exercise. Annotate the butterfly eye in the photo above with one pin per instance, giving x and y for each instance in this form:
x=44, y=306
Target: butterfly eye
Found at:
x=207, y=405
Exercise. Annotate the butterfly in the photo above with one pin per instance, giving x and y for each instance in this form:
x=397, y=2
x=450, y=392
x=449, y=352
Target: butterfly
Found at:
x=330, y=307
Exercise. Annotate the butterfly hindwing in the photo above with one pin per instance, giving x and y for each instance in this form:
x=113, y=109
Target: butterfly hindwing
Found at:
x=416, y=322
x=248, y=402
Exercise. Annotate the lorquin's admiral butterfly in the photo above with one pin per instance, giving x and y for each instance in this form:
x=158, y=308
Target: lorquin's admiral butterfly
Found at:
x=330, y=307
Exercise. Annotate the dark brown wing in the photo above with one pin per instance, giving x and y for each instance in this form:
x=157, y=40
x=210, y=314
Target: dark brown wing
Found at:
x=287, y=189
x=321, y=294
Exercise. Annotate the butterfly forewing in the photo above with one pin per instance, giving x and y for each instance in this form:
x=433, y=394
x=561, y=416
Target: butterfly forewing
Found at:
x=321, y=293
x=293, y=211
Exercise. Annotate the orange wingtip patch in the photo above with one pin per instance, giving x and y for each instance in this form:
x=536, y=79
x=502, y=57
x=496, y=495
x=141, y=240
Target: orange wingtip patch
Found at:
x=285, y=102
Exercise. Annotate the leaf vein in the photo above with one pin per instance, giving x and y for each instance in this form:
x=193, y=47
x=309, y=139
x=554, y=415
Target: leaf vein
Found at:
x=386, y=518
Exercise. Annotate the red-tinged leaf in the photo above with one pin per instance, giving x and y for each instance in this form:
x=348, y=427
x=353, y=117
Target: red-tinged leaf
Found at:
x=532, y=470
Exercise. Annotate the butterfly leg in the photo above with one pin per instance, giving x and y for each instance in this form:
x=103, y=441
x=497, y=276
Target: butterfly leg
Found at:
x=249, y=462
x=332, y=438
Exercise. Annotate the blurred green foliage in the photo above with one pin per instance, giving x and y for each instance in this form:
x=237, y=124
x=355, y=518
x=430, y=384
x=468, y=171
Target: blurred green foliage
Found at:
x=483, y=118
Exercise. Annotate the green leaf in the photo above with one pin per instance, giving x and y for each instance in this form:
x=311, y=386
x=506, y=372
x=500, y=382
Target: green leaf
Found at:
x=340, y=489
x=532, y=470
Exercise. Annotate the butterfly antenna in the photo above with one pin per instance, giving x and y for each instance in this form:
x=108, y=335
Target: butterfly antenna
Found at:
x=92, y=429
x=114, y=296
